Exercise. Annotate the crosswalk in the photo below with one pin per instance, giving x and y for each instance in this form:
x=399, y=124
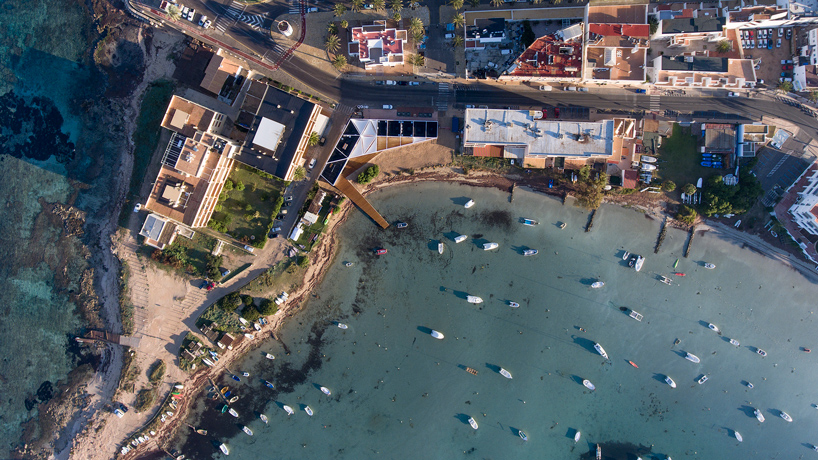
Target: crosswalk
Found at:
x=443, y=92
x=344, y=109
x=234, y=10
x=295, y=7
x=654, y=103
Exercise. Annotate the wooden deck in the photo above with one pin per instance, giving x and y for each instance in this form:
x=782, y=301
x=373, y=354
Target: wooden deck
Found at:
x=349, y=190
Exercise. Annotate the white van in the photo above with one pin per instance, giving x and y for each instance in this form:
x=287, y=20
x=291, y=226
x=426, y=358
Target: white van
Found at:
x=571, y=88
x=546, y=88
x=448, y=36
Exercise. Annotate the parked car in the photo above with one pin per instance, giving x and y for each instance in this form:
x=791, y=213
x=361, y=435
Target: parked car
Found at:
x=414, y=83
x=387, y=106
x=123, y=407
x=780, y=31
x=448, y=36
x=546, y=88
x=556, y=112
x=207, y=24
x=391, y=82
x=202, y=20
x=403, y=83
x=312, y=10
x=249, y=248
x=641, y=91
x=733, y=94
x=288, y=198
x=312, y=163
x=190, y=15
x=224, y=271
x=276, y=229
x=363, y=106
x=778, y=43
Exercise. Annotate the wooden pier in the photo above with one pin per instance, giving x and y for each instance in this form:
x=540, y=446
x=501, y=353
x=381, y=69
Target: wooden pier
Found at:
x=109, y=337
x=349, y=190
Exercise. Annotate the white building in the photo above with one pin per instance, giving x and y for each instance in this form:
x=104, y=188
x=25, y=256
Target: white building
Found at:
x=805, y=209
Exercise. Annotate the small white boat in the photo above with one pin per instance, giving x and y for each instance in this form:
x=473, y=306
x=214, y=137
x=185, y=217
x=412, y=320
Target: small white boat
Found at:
x=577, y=435
x=734, y=342
x=597, y=284
x=347, y=264
x=207, y=361
x=530, y=252
x=749, y=385
x=472, y=423
x=257, y=326
x=713, y=327
x=243, y=321
x=224, y=449
x=785, y=416
x=709, y=266
x=626, y=255
x=326, y=391
x=269, y=356
x=308, y=410
x=761, y=352
x=402, y=225
x=342, y=326
x=505, y=373
x=514, y=305
x=248, y=335
x=233, y=412
x=670, y=381
x=648, y=167
x=530, y=222
x=289, y=410
x=469, y=204
x=702, y=379
x=247, y=430
x=648, y=159
x=600, y=350
x=639, y=262
x=692, y=358
x=437, y=335
x=263, y=418
x=523, y=435
x=758, y=415
x=474, y=299
x=588, y=385
x=440, y=248
x=179, y=387
x=490, y=246
x=460, y=238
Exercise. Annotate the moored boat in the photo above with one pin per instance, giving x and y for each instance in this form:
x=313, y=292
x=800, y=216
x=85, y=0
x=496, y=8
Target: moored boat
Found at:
x=530, y=222
x=347, y=264
x=289, y=410
x=633, y=364
x=233, y=399
x=248, y=335
x=246, y=374
x=269, y=356
x=709, y=266
x=263, y=418
x=469, y=204
x=562, y=225
x=207, y=361
x=626, y=255
x=761, y=352
x=505, y=373
x=598, y=284
x=380, y=251
x=785, y=416
x=235, y=377
x=648, y=159
x=679, y=274
x=758, y=415
x=692, y=358
x=308, y=410
x=713, y=327
x=326, y=391
x=734, y=342
x=440, y=248
x=513, y=304
x=224, y=449
x=460, y=238
x=489, y=246
x=437, y=335
x=269, y=385
x=233, y=412
x=577, y=435
x=402, y=225
x=588, y=385
x=342, y=326
x=638, y=264
x=670, y=381
x=600, y=350
x=598, y=452
x=523, y=435
x=530, y=252
x=247, y=430
x=702, y=379
x=472, y=422
x=648, y=167
x=474, y=299
x=179, y=387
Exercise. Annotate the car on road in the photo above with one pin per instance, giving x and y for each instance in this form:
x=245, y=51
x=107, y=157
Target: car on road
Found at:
x=391, y=82
x=288, y=198
x=363, y=107
x=387, y=106
x=546, y=88
x=286, y=204
x=641, y=91
x=379, y=82
x=249, y=248
x=312, y=10
x=414, y=83
x=312, y=162
x=190, y=15
x=733, y=94
x=556, y=112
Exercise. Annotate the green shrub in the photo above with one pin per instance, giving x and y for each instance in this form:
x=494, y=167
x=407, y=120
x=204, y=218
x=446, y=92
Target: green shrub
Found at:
x=247, y=299
x=304, y=262
x=240, y=186
x=157, y=372
x=687, y=215
x=668, y=186
x=250, y=313
x=268, y=307
x=230, y=302
x=228, y=185
x=144, y=399
x=368, y=174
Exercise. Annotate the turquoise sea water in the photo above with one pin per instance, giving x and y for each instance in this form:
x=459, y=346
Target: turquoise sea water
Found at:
x=56, y=149
x=399, y=393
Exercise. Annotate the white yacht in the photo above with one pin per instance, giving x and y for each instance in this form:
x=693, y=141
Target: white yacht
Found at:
x=513, y=305
x=598, y=284
x=326, y=391
x=472, y=423
x=469, y=204
x=588, y=385
x=648, y=159
x=785, y=416
x=648, y=167
x=738, y=436
x=269, y=356
x=713, y=327
x=600, y=350
x=247, y=430
x=761, y=352
x=263, y=418
x=734, y=342
x=224, y=449
x=709, y=266
x=490, y=246
x=437, y=335
x=474, y=299
x=523, y=435
x=758, y=415
x=440, y=248
x=530, y=252
x=505, y=373
x=692, y=358
x=577, y=435
x=308, y=410
x=702, y=379
x=288, y=409
x=342, y=326
x=639, y=261
x=460, y=238
x=670, y=381
x=233, y=412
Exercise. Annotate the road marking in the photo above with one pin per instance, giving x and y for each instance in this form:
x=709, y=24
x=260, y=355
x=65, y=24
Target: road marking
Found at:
x=442, y=102
x=255, y=21
x=654, y=102
x=780, y=162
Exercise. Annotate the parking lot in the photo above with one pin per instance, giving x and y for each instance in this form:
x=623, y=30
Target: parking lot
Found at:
x=776, y=171
x=772, y=50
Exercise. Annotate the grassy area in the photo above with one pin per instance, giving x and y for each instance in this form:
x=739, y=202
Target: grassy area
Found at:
x=306, y=238
x=197, y=250
x=283, y=276
x=146, y=137
x=228, y=321
x=679, y=158
x=247, y=211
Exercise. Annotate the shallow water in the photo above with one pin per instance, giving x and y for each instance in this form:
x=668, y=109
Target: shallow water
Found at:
x=399, y=393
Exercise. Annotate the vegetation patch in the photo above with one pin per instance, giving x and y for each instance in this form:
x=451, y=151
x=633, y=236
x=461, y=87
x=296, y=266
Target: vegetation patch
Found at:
x=312, y=234
x=189, y=255
x=145, y=399
x=367, y=175
x=720, y=198
x=191, y=342
x=157, y=372
x=680, y=157
x=588, y=190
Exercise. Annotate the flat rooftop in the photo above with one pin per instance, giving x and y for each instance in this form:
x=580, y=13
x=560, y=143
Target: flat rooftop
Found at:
x=185, y=117
x=522, y=134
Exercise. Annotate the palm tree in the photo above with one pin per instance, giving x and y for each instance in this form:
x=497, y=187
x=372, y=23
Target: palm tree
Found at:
x=174, y=13
x=416, y=26
x=456, y=4
x=339, y=62
x=474, y=3
x=314, y=138
x=379, y=5
x=417, y=60
x=332, y=28
x=344, y=24
x=333, y=44
x=299, y=174
x=457, y=41
x=357, y=5
x=396, y=5
x=339, y=9
x=724, y=46
x=396, y=16
x=459, y=20
x=496, y=3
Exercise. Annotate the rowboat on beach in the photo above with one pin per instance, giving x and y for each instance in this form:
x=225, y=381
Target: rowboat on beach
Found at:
x=505, y=373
